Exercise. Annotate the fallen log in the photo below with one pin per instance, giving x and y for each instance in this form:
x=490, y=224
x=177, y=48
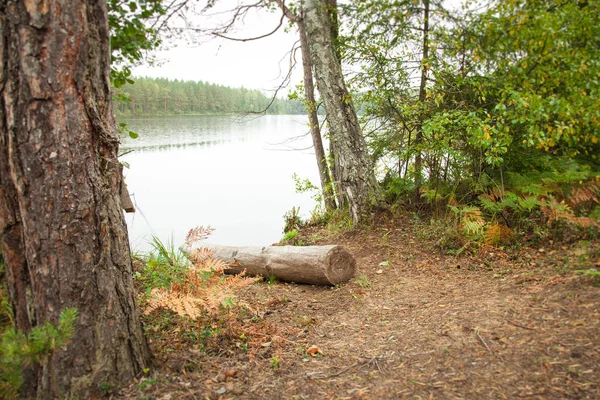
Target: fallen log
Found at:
x=316, y=265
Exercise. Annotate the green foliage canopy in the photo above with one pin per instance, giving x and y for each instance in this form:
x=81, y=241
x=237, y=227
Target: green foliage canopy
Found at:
x=132, y=33
x=510, y=87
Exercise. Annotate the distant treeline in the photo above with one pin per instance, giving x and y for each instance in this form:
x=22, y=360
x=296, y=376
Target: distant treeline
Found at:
x=160, y=96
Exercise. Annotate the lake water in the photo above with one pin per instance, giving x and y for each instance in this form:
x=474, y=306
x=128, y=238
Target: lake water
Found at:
x=232, y=173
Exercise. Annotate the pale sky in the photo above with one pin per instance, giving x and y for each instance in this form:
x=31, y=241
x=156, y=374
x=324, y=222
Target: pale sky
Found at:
x=259, y=64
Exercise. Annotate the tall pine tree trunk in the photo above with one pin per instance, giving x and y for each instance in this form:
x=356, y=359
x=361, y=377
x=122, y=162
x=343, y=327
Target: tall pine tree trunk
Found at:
x=309, y=92
x=63, y=232
x=359, y=188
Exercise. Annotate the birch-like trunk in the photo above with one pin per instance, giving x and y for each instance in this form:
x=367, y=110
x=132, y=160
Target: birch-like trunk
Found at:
x=315, y=130
x=359, y=188
x=63, y=232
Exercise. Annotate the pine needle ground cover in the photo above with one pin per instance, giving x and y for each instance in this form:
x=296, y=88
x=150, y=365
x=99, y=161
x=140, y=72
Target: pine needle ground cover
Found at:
x=416, y=322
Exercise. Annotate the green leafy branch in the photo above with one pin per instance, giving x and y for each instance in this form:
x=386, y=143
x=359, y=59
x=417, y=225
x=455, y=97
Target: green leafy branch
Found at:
x=20, y=351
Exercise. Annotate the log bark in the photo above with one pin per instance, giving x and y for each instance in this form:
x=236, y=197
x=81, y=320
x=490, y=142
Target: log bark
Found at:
x=315, y=265
x=62, y=228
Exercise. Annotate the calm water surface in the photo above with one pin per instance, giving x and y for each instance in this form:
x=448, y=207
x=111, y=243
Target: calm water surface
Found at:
x=229, y=172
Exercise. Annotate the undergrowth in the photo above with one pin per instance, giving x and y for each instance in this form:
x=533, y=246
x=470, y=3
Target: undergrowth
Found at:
x=20, y=351
x=163, y=266
x=199, y=307
x=534, y=208
x=5, y=309
x=17, y=350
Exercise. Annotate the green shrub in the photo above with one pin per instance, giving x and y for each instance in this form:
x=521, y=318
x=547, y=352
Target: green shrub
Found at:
x=165, y=264
x=20, y=350
x=292, y=220
x=291, y=237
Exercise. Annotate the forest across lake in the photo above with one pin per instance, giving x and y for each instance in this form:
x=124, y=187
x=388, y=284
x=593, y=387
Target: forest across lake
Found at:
x=161, y=96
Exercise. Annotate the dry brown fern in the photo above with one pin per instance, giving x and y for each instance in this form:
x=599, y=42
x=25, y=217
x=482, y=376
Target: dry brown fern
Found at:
x=497, y=234
x=198, y=234
x=204, y=289
x=196, y=294
x=472, y=220
x=210, y=264
x=588, y=192
x=208, y=298
x=495, y=195
x=555, y=211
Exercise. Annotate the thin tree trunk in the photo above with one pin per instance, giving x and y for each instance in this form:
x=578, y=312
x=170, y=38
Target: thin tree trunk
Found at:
x=408, y=154
x=335, y=176
x=422, y=99
x=357, y=178
x=331, y=10
x=309, y=92
x=63, y=232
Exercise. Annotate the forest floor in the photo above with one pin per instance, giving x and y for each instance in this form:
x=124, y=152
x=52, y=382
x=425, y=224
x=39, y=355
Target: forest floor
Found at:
x=414, y=323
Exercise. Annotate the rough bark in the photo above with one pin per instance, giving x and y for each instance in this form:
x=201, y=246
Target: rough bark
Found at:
x=309, y=92
x=359, y=188
x=315, y=265
x=315, y=130
x=422, y=98
x=63, y=232
x=332, y=14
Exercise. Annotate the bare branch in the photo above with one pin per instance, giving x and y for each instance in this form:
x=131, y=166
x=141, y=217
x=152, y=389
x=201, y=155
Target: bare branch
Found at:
x=239, y=13
x=252, y=38
x=283, y=83
x=286, y=11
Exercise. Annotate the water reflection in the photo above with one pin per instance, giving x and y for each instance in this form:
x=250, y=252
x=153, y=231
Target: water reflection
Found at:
x=216, y=170
x=184, y=145
x=189, y=130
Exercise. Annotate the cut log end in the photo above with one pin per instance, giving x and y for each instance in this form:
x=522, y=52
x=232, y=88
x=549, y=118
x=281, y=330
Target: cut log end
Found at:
x=341, y=265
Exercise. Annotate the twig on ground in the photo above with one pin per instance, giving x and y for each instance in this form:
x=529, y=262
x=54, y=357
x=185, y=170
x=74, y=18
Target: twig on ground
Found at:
x=373, y=360
x=337, y=373
x=482, y=341
x=520, y=326
x=418, y=354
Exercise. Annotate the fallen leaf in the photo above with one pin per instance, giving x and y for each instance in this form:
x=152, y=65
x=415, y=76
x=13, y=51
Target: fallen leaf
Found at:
x=379, y=271
x=313, y=350
x=222, y=390
x=230, y=373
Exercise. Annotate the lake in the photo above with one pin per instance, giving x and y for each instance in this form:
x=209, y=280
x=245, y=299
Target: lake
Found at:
x=230, y=172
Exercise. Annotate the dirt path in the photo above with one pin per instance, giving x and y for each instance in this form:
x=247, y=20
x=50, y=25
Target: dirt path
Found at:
x=414, y=324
